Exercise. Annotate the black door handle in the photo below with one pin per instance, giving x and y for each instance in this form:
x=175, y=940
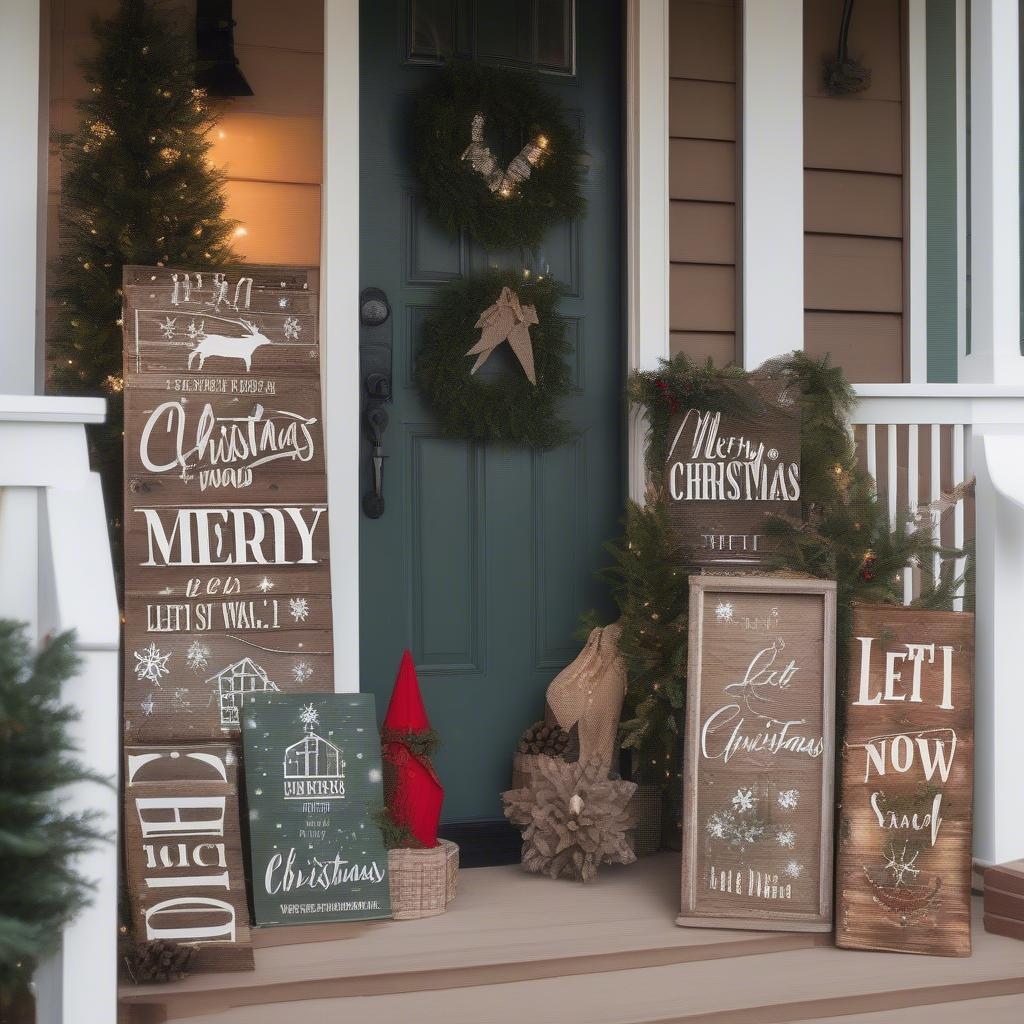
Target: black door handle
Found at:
x=375, y=368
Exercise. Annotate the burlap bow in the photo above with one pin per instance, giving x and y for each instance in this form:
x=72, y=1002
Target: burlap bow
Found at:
x=507, y=319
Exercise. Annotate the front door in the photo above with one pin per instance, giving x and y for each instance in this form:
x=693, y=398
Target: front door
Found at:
x=484, y=558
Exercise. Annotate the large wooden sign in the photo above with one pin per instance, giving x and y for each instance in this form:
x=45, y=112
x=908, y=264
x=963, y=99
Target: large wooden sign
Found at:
x=183, y=851
x=904, y=863
x=724, y=474
x=315, y=786
x=227, y=582
x=758, y=756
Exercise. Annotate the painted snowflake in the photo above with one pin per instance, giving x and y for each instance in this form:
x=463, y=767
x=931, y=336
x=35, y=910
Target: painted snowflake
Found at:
x=724, y=611
x=716, y=825
x=265, y=585
x=151, y=663
x=786, y=838
x=299, y=608
x=788, y=798
x=744, y=800
x=167, y=327
x=195, y=330
x=794, y=869
x=734, y=830
x=900, y=865
x=309, y=715
x=148, y=705
x=197, y=656
x=292, y=328
x=301, y=671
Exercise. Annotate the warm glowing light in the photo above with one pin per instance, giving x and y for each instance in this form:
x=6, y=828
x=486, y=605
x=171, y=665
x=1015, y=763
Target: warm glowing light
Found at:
x=241, y=231
x=542, y=141
x=221, y=134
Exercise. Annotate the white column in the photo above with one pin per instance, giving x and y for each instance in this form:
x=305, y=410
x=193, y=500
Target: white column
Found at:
x=19, y=187
x=772, y=158
x=915, y=190
x=647, y=190
x=999, y=696
x=340, y=326
x=995, y=197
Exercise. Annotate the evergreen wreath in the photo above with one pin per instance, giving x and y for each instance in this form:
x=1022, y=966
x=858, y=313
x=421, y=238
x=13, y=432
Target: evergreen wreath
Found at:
x=523, y=130
x=505, y=407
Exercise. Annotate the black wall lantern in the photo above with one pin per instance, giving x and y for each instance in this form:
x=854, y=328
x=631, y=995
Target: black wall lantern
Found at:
x=217, y=69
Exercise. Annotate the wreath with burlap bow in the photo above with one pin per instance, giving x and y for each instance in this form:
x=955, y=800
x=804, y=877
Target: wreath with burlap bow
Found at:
x=492, y=360
x=496, y=155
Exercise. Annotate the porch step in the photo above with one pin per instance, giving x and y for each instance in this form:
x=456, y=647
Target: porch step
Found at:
x=515, y=947
x=993, y=1010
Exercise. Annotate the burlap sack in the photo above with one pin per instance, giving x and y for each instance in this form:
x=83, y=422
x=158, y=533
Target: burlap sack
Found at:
x=589, y=694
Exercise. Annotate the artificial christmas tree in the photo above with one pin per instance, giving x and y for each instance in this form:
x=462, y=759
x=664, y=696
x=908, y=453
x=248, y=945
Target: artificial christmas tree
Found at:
x=412, y=789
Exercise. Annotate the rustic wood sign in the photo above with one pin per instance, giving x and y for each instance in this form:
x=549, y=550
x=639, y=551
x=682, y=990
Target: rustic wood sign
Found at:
x=315, y=785
x=227, y=576
x=904, y=862
x=724, y=474
x=183, y=851
x=758, y=757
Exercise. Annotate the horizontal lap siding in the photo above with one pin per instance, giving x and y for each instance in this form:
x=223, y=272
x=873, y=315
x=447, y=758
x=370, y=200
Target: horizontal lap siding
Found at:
x=703, y=178
x=853, y=195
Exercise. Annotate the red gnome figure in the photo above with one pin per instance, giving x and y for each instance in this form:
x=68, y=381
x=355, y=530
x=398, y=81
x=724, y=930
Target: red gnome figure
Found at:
x=413, y=791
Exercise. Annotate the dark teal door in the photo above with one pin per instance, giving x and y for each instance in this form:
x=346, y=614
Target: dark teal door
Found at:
x=484, y=559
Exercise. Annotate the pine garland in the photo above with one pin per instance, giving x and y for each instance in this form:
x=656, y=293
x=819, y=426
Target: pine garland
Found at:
x=844, y=534
x=40, y=890
x=506, y=407
x=517, y=111
x=136, y=189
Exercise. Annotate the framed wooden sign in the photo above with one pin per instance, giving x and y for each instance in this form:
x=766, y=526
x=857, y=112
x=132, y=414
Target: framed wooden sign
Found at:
x=227, y=572
x=904, y=860
x=758, y=754
x=724, y=474
x=183, y=851
x=315, y=784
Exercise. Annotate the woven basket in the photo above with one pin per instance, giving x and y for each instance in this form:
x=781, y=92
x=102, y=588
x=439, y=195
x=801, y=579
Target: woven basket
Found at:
x=647, y=808
x=423, y=881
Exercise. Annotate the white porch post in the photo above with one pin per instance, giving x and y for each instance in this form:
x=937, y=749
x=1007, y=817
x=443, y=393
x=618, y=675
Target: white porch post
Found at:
x=647, y=189
x=340, y=326
x=995, y=354
x=19, y=186
x=772, y=157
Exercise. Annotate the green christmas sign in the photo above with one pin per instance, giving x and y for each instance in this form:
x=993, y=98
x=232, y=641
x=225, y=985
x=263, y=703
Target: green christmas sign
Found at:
x=314, y=780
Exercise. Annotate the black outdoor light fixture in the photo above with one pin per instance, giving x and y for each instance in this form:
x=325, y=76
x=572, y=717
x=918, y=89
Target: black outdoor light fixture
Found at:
x=217, y=69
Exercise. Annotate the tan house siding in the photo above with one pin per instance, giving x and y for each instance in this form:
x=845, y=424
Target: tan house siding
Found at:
x=853, y=201
x=702, y=178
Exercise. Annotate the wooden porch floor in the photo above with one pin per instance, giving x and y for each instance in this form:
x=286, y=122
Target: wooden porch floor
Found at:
x=515, y=947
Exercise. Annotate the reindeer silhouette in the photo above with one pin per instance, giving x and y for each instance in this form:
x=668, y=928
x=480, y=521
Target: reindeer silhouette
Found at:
x=228, y=347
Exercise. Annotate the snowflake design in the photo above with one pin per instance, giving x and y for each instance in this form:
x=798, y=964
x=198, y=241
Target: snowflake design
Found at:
x=265, y=585
x=167, y=327
x=309, y=716
x=744, y=800
x=737, y=832
x=724, y=611
x=299, y=608
x=151, y=663
x=180, y=699
x=301, y=671
x=292, y=328
x=196, y=331
x=788, y=798
x=282, y=303
x=900, y=865
x=794, y=869
x=786, y=838
x=148, y=705
x=197, y=656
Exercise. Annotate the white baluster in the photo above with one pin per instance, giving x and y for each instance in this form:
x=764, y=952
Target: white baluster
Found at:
x=936, y=456
x=913, y=500
x=958, y=511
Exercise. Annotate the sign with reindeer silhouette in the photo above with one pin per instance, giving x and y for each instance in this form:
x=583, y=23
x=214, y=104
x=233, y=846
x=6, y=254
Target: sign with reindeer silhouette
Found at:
x=758, y=754
x=904, y=861
x=227, y=573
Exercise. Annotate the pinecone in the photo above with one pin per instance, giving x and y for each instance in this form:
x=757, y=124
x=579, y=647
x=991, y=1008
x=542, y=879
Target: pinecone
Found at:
x=158, y=961
x=574, y=818
x=542, y=738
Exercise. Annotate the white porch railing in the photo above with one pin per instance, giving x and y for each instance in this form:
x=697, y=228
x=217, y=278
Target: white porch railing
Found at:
x=55, y=574
x=921, y=440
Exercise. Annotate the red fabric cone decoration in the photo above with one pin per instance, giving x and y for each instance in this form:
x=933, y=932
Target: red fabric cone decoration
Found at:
x=414, y=792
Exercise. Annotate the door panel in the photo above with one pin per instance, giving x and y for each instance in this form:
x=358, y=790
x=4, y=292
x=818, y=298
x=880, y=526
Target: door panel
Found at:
x=485, y=556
